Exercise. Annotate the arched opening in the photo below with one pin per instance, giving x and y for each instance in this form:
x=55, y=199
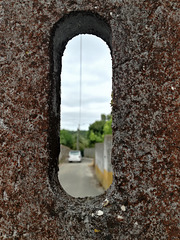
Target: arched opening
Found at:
x=68, y=27
x=85, y=117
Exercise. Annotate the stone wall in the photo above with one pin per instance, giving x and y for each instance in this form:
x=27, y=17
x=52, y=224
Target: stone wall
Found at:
x=64, y=153
x=143, y=36
x=89, y=152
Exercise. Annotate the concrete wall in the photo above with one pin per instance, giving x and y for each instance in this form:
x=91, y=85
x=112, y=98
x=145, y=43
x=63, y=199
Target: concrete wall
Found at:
x=143, y=36
x=64, y=153
x=108, y=172
x=99, y=163
x=103, y=167
x=89, y=152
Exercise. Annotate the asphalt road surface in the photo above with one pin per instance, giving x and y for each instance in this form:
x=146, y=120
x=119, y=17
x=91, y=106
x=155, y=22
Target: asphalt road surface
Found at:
x=78, y=179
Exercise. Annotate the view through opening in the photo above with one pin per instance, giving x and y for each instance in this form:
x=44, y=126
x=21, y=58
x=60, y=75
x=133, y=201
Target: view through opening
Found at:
x=86, y=134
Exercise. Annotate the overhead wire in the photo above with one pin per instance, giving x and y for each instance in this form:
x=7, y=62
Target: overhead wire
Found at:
x=80, y=81
x=80, y=91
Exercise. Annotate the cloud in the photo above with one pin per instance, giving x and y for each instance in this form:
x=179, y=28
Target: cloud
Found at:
x=96, y=82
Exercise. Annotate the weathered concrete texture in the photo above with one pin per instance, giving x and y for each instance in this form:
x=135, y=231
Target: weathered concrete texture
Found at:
x=143, y=200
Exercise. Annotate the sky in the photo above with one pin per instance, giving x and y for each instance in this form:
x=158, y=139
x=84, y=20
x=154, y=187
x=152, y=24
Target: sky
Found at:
x=96, y=82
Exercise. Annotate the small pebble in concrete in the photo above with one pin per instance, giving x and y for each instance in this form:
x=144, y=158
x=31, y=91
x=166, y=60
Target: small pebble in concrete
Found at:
x=123, y=208
x=105, y=202
x=120, y=218
x=99, y=213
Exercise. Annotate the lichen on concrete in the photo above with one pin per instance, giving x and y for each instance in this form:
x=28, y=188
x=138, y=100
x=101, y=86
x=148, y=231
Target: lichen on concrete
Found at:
x=143, y=199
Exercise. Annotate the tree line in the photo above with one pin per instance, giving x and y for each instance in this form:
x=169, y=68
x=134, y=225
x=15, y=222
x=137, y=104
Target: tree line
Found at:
x=94, y=134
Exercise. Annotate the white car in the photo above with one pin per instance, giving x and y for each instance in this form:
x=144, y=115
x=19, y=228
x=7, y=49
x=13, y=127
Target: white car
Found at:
x=75, y=156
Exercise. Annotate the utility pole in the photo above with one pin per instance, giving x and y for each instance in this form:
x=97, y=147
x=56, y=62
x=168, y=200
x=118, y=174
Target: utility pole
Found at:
x=77, y=145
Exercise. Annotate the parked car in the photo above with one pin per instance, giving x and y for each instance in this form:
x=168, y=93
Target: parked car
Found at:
x=75, y=156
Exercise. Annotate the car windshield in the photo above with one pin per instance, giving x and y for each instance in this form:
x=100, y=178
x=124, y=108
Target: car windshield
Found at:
x=74, y=152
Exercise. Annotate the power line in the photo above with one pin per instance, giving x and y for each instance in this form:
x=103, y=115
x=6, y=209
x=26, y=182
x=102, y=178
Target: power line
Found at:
x=80, y=92
x=80, y=81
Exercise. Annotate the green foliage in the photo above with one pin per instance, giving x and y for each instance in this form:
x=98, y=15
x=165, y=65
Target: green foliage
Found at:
x=95, y=138
x=103, y=117
x=109, y=117
x=95, y=134
x=83, y=140
x=98, y=129
x=69, y=138
x=108, y=127
x=66, y=138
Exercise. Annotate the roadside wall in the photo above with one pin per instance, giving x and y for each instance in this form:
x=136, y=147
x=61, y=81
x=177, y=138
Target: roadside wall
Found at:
x=89, y=152
x=143, y=36
x=103, y=167
x=99, y=163
x=64, y=153
x=108, y=172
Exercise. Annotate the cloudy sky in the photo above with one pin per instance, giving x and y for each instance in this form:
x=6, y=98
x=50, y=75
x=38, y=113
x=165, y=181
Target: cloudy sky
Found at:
x=96, y=83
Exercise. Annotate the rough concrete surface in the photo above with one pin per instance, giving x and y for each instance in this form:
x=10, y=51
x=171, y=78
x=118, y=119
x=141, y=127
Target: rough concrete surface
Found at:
x=142, y=202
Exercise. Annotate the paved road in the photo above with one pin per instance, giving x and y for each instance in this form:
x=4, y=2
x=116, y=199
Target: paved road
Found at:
x=78, y=179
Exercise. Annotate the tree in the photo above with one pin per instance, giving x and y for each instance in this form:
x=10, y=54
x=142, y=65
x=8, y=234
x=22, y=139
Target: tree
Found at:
x=95, y=138
x=98, y=129
x=95, y=134
x=83, y=140
x=66, y=138
x=103, y=117
x=69, y=138
x=108, y=126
